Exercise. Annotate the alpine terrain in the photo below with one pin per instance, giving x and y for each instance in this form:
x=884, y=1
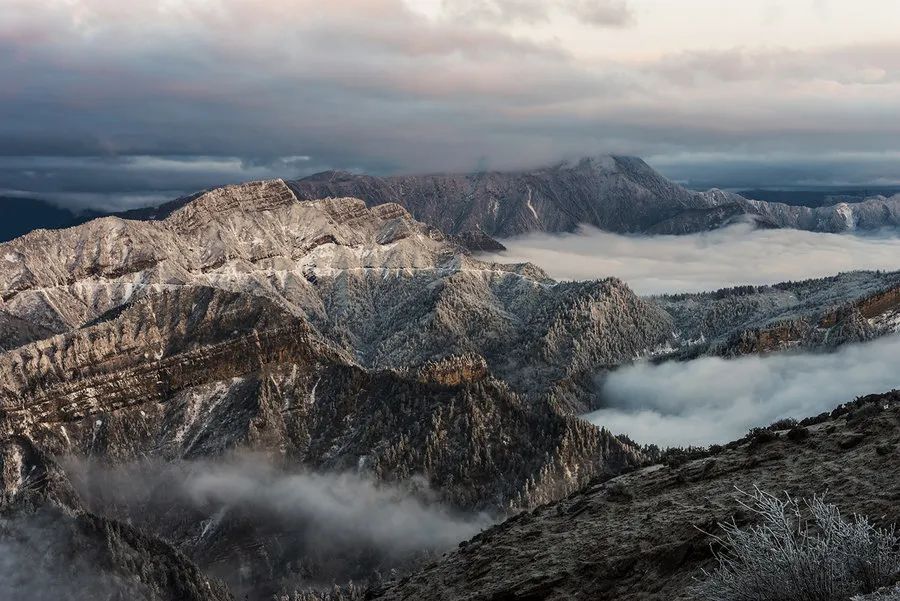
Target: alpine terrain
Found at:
x=192, y=404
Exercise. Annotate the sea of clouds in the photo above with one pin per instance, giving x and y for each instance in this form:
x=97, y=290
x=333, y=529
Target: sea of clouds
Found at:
x=713, y=400
x=721, y=258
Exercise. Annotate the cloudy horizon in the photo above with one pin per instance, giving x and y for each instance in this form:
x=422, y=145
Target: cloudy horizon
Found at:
x=117, y=105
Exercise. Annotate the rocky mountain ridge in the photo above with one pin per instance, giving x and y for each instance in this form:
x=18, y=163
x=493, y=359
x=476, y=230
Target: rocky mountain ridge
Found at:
x=614, y=193
x=324, y=336
x=817, y=314
x=389, y=291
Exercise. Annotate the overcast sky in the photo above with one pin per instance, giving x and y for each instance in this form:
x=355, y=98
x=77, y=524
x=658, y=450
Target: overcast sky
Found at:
x=117, y=103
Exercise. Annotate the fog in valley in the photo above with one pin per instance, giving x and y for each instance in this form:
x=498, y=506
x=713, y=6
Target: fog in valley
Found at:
x=714, y=400
x=721, y=258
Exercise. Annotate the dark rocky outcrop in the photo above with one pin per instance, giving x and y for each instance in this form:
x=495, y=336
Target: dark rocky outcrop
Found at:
x=646, y=535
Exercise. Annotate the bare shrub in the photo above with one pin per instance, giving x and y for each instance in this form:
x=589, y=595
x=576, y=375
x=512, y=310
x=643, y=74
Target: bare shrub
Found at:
x=799, y=551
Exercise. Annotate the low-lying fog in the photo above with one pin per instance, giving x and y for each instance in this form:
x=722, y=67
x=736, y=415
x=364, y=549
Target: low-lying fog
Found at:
x=727, y=257
x=713, y=400
x=247, y=522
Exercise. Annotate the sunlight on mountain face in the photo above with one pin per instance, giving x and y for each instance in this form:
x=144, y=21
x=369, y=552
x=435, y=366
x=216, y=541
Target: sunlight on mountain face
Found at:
x=735, y=255
x=714, y=400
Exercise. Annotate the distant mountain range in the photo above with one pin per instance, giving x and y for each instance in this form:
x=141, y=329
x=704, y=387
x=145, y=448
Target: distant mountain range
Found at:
x=815, y=198
x=614, y=193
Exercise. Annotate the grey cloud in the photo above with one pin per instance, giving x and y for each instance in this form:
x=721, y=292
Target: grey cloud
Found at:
x=377, y=87
x=347, y=524
x=601, y=13
x=714, y=400
x=110, y=182
x=346, y=508
x=782, y=169
x=848, y=65
x=44, y=557
x=731, y=256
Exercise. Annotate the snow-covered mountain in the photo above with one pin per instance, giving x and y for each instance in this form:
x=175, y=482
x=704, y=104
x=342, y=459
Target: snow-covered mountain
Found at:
x=387, y=290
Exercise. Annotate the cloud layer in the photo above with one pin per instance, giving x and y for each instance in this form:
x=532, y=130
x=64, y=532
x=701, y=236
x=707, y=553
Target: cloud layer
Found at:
x=392, y=85
x=726, y=257
x=344, y=525
x=713, y=400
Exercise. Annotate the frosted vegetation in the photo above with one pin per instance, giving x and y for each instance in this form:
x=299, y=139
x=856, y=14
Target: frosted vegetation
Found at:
x=799, y=550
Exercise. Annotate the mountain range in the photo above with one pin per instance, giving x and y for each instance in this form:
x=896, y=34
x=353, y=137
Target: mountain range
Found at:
x=613, y=193
x=342, y=339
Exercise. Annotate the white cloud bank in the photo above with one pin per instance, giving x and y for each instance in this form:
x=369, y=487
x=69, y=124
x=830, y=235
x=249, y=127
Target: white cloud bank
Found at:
x=712, y=400
x=726, y=257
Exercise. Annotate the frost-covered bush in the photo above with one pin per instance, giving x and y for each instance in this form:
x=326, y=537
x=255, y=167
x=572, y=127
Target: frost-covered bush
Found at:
x=349, y=592
x=885, y=594
x=799, y=551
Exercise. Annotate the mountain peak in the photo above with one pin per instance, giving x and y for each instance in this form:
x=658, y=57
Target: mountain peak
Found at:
x=249, y=196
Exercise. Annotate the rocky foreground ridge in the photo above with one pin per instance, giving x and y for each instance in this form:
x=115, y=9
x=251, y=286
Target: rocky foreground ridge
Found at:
x=646, y=534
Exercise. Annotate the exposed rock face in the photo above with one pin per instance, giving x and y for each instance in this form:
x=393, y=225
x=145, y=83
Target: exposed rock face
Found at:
x=265, y=387
x=613, y=193
x=646, y=534
x=388, y=291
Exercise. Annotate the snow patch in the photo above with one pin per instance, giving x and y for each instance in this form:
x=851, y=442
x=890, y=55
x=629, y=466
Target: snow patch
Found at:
x=531, y=207
x=845, y=212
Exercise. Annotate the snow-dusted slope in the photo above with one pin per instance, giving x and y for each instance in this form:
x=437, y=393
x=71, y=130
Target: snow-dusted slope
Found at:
x=324, y=335
x=814, y=314
x=388, y=290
